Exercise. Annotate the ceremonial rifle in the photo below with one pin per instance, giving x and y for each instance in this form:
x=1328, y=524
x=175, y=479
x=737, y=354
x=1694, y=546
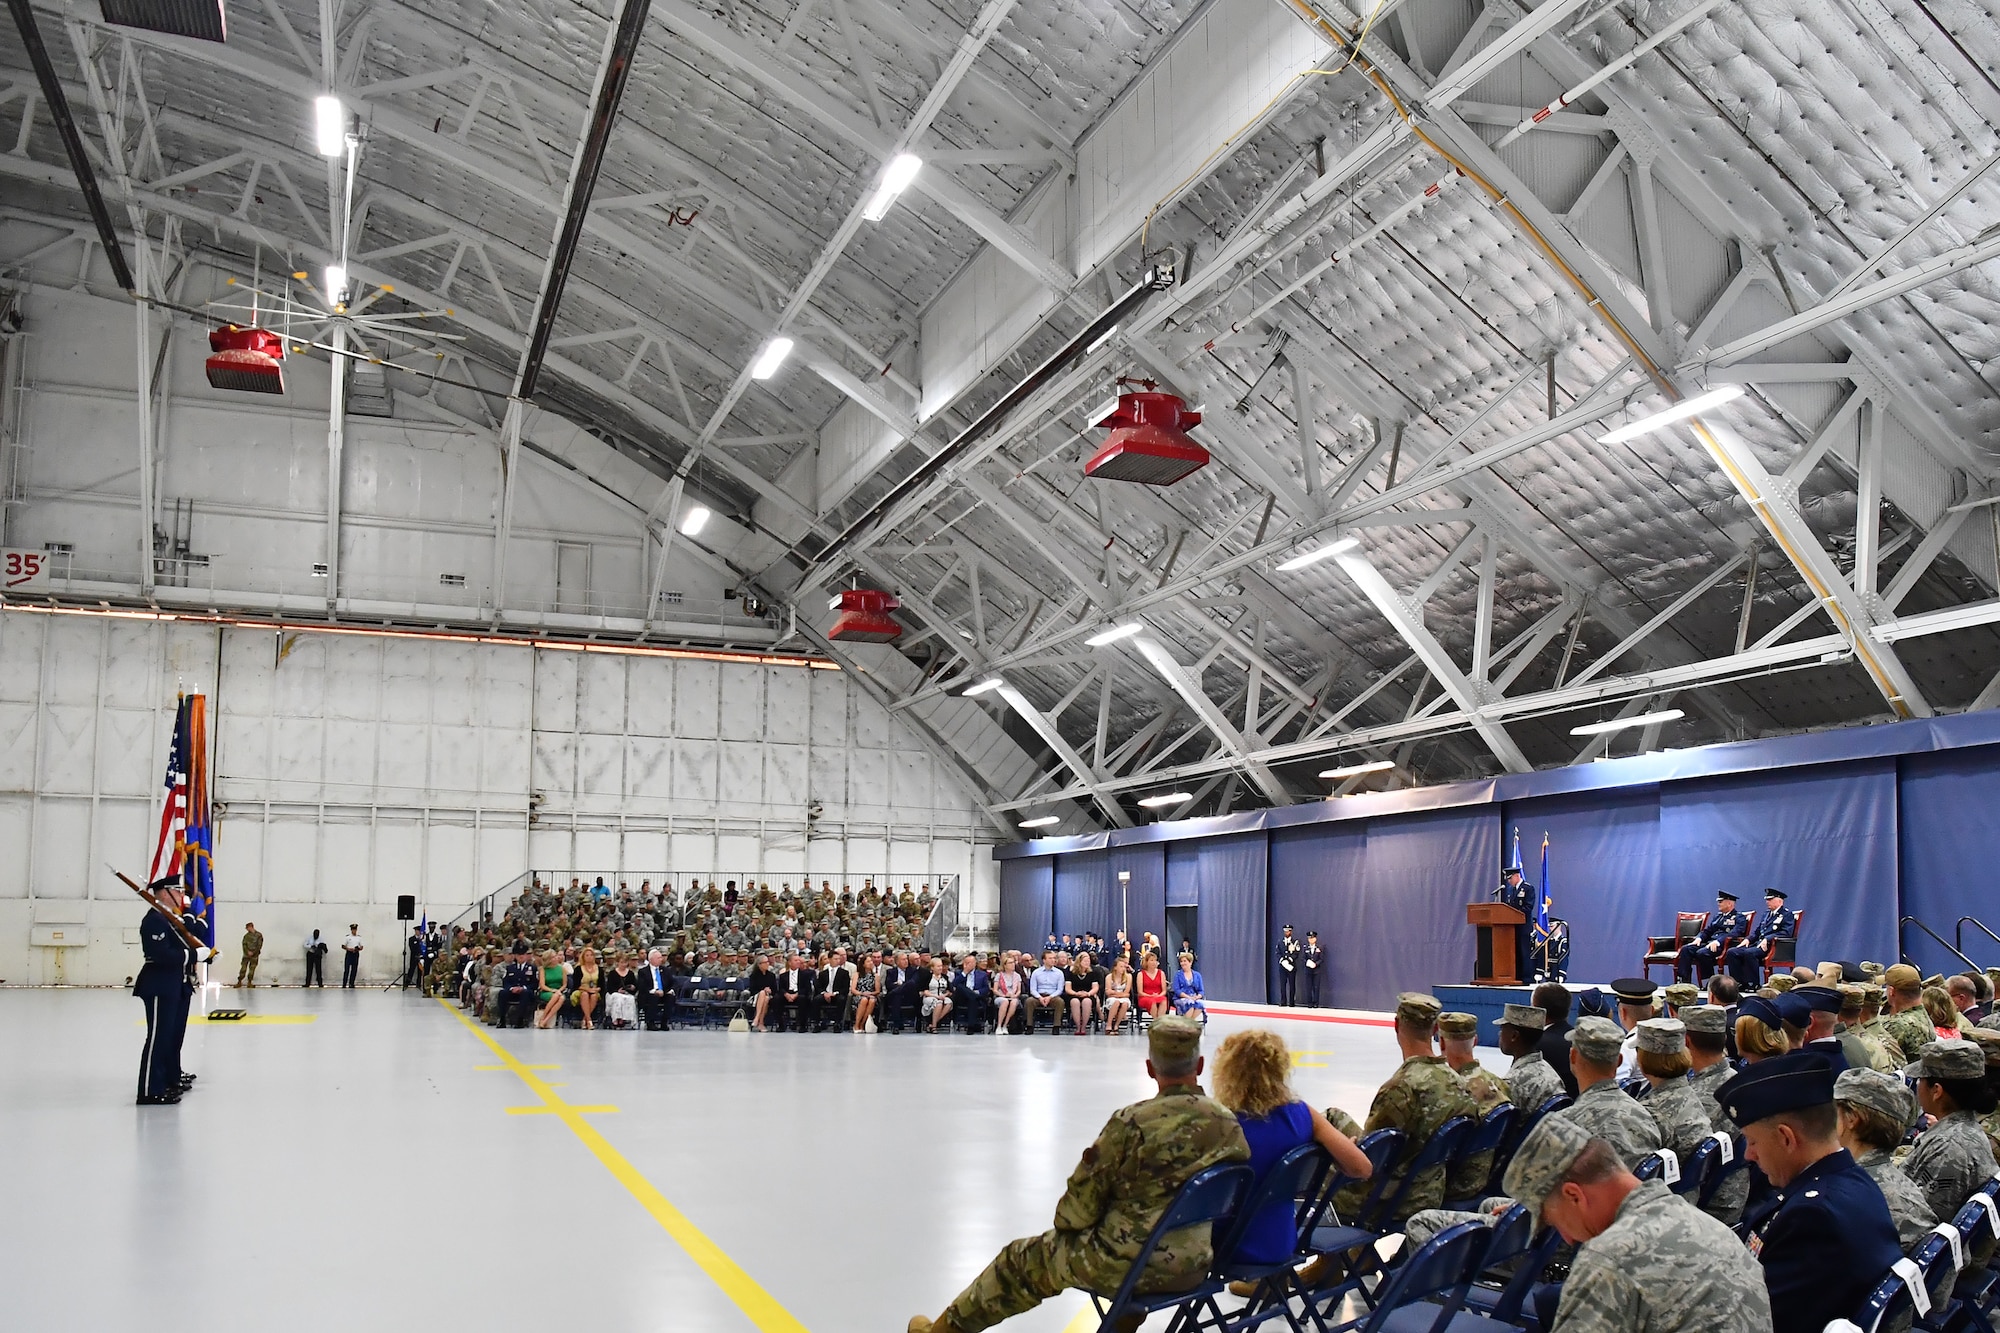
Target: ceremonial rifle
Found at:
x=153, y=901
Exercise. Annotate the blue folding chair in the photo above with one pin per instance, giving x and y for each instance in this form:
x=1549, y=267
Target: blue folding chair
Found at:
x=1650, y=1167
x=1429, y=1288
x=1978, y=1290
x=1723, y=1171
x=1492, y=1130
x=1207, y=1198
x=1295, y=1179
x=1502, y=1305
x=1523, y=1126
x=1696, y=1170
x=1378, y=1219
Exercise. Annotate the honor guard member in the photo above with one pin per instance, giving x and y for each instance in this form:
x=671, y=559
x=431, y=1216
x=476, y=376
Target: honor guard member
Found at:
x=1745, y=961
x=1824, y=1235
x=1122, y=1185
x=253, y=945
x=1530, y=1079
x=1422, y=1094
x=1520, y=895
x=161, y=987
x=1645, y=1259
x=1701, y=956
x=1314, y=956
x=1290, y=952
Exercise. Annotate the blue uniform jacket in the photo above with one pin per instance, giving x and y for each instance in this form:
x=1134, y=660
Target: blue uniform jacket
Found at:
x=1723, y=927
x=166, y=959
x=1782, y=924
x=1825, y=1241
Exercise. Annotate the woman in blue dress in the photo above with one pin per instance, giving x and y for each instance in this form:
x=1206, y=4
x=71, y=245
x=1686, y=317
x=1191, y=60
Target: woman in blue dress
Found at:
x=1188, y=998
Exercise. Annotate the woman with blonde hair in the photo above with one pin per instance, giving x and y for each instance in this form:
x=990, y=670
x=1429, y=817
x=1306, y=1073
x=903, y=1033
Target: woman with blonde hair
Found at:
x=1006, y=993
x=1117, y=994
x=589, y=988
x=553, y=991
x=1253, y=1072
x=1760, y=1032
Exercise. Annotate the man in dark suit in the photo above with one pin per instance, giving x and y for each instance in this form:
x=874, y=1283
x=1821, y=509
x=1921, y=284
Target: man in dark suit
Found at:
x=900, y=985
x=971, y=988
x=656, y=992
x=159, y=986
x=794, y=993
x=1553, y=999
x=830, y=990
x=1824, y=1235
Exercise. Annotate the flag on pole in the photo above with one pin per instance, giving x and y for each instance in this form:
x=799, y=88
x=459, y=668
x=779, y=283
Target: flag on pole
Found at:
x=1515, y=863
x=173, y=813
x=197, y=846
x=1541, y=908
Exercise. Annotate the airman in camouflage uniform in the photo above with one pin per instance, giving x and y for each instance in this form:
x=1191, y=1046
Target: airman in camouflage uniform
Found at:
x=1119, y=1189
x=1951, y=1158
x=1659, y=1266
x=1726, y=1204
x=1890, y=1098
x=1911, y=1028
x=1458, y=1035
x=1531, y=1080
x=1601, y=1106
x=1421, y=1095
x=1989, y=1042
x=1674, y=1105
x=253, y=945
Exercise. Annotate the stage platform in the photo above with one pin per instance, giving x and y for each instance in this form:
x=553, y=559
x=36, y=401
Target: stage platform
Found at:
x=1487, y=1002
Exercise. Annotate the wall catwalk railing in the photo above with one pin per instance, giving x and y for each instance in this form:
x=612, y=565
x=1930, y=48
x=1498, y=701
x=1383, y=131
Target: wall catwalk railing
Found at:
x=1958, y=934
x=1904, y=951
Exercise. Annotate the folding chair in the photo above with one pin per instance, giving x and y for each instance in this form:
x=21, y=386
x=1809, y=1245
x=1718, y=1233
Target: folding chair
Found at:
x=1514, y=1239
x=1523, y=1125
x=1650, y=1167
x=1700, y=1165
x=1296, y=1178
x=1494, y=1129
x=1210, y=1197
x=1377, y=1218
x=1737, y=1162
x=1429, y=1289
x=1977, y=1294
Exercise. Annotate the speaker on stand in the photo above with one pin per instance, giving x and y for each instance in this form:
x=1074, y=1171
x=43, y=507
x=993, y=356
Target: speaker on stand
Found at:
x=406, y=912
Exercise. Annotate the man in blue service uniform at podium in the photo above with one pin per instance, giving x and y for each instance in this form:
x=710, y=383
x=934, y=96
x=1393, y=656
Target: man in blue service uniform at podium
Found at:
x=162, y=986
x=1824, y=1235
x=1701, y=956
x=1746, y=960
x=1523, y=897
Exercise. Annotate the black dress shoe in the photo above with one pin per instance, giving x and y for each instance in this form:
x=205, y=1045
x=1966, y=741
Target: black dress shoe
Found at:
x=168, y=1099
x=187, y=1080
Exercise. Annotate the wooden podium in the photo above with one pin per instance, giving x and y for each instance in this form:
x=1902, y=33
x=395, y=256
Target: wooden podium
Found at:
x=1498, y=955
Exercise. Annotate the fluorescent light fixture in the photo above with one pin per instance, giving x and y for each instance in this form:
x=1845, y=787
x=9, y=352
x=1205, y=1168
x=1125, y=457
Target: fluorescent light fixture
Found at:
x=896, y=178
x=336, y=283
x=1356, y=770
x=1042, y=822
x=773, y=356
x=329, y=126
x=987, y=686
x=1319, y=553
x=1114, y=634
x=694, y=520
x=1170, y=798
x=1626, y=723
x=1681, y=411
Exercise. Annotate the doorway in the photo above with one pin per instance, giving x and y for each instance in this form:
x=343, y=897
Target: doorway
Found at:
x=1180, y=934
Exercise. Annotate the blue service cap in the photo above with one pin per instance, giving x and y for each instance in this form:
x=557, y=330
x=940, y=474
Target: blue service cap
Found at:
x=1772, y=1087
x=1794, y=1008
x=1761, y=1009
x=1817, y=999
x=1590, y=1003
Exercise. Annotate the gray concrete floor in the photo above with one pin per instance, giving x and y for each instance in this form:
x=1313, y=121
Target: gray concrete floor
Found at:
x=362, y=1169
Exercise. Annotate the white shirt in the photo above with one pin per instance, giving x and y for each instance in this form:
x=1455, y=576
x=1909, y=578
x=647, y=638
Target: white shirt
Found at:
x=351, y=942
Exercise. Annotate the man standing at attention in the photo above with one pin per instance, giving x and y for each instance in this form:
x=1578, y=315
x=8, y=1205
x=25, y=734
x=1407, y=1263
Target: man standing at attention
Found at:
x=1122, y=1185
x=1290, y=954
x=1314, y=956
x=253, y=944
x=350, y=956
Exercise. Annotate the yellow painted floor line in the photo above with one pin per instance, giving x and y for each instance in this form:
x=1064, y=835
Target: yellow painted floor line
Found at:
x=1086, y=1319
x=508, y=1069
x=552, y=1110
x=758, y=1305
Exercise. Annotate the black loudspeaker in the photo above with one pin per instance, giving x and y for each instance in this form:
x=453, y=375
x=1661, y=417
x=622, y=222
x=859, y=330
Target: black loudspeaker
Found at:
x=406, y=907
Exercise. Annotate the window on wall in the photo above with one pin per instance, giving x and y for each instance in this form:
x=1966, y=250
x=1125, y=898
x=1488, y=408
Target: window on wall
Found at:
x=572, y=576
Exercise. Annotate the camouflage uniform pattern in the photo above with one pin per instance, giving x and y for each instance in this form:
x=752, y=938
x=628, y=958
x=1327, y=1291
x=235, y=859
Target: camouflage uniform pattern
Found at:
x=1422, y=1094
x=1608, y=1113
x=1663, y=1267
x=1677, y=1111
x=1726, y=1204
x=1911, y=1030
x=1531, y=1080
x=1124, y=1182
x=1487, y=1091
x=1908, y=1208
x=1950, y=1160
x=253, y=945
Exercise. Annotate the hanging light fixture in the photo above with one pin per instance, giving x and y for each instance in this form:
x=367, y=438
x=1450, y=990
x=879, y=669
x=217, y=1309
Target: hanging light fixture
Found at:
x=329, y=126
x=1356, y=770
x=773, y=356
x=1114, y=634
x=1681, y=411
x=987, y=686
x=896, y=178
x=1627, y=723
x=1041, y=822
x=1319, y=553
x=694, y=521
x=1166, y=799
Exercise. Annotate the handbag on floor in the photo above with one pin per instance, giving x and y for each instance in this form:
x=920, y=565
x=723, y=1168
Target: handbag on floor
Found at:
x=739, y=1023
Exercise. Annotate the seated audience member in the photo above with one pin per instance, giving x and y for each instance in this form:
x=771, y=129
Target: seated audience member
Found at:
x=1082, y=987
x=1952, y=1158
x=867, y=985
x=1942, y=1013
x=554, y=989
x=1760, y=1032
x=1645, y=1259
x=936, y=996
x=830, y=990
x=1253, y=1073
x=587, y=986
x=1006, y=994
x=621, y=993
x=1601, y=1106
x=970, y=987
x=1824, y=1236
x=1122, y=1185
x=656, y=991
x=1188, y=996
x=1045, y=991
x=1669, y=1098
x=1554, y=1000
x=794, y=994
x=520, y=988
x=1876, y=1111
x=1530, y=1080
x=761, y=986
x=1117, y=995
x=1153, y=989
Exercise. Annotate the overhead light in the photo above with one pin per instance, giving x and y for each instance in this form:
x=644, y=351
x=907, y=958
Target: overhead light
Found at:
x=1319, y=553
x=1356, y=770
x=1114, y=634
x=694, y=520
x=896, y=178
x=329, y=126
x=1170, y=798
x=336, y=283
x=1625, y=723
x=1043, y=822
x=1681, y=411
x=987, y=686
x=773, y=356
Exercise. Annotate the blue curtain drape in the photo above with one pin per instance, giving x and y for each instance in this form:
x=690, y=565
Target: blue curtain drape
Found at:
x=1230, y=875
x=1027, y=893
x=1083, y=894
x=1145, y=898
x=1422, y=871
x=1604, y=874
x=1319, y=881
x=1950, y=849
x=1827, y=836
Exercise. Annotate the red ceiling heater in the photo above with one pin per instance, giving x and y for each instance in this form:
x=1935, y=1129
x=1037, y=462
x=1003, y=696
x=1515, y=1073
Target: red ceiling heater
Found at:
x=246, y=359
x=1148, y=442
x=864, y=617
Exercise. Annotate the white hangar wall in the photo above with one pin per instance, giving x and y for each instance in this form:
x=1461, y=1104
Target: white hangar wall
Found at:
x=353, y=767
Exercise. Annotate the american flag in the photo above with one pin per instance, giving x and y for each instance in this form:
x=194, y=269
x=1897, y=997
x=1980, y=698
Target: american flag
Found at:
x=173, y=815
